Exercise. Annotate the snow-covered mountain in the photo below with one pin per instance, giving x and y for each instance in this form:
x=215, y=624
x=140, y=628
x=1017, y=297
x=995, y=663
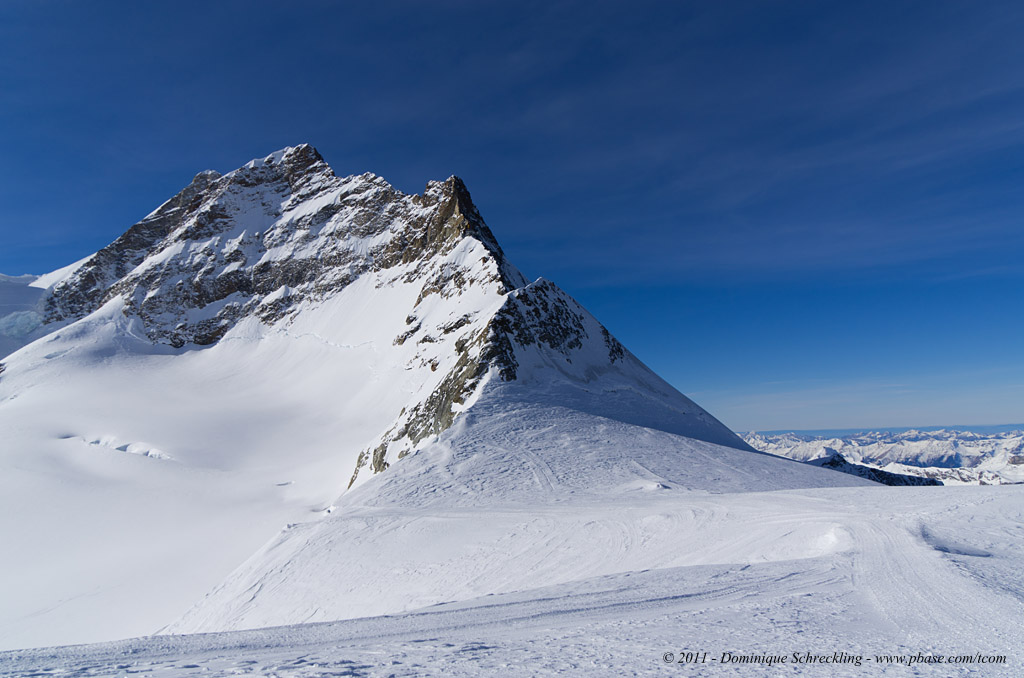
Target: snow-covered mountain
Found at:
x=254, y=353
x=283, y=237
x=288, y=397
x=953, y=457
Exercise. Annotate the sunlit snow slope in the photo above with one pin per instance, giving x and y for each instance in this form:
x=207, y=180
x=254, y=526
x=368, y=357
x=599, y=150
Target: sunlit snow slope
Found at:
x=521, y=492
x=880, y=575
x=254, y=352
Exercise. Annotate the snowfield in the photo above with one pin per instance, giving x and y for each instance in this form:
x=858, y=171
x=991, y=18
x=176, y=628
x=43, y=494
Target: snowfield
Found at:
x=292, y=424
x=517, y=495
x=865, y=571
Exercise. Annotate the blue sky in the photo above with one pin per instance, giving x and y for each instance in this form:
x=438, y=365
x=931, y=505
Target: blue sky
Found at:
x=802, y=214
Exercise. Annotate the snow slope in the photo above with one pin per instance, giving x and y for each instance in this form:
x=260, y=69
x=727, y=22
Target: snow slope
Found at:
x=157, y=472
x=902, y=573
x=520, y=493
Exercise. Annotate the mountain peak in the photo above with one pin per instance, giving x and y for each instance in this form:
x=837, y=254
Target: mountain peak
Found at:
x=293, y=165
x=204, y=178
x=223, y=248
x=452, y=185
x=303, y=154
x=283, y=240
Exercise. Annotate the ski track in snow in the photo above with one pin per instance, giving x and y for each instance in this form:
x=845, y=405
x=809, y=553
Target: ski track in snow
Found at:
x=884, y=583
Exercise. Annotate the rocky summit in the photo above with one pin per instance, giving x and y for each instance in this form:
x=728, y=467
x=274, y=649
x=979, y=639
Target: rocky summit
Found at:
x=277, y=232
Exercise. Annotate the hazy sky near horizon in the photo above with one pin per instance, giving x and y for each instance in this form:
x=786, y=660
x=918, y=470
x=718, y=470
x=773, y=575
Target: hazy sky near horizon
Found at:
x=802, y=214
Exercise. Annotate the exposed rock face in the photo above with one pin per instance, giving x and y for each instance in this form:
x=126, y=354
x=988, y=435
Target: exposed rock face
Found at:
x=838, y=463
x=284, y=233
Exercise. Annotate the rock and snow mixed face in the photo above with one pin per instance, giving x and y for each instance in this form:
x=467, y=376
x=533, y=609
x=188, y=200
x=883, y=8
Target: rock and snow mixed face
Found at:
x=260, y=241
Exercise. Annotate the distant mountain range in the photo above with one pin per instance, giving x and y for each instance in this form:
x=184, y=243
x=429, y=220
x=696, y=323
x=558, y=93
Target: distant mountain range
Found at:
x=953, y=457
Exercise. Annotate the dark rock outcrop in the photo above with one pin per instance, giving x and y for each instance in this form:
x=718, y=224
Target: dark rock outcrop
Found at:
x=837, y=462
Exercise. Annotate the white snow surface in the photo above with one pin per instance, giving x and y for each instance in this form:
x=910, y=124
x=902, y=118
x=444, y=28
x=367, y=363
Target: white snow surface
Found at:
x=49, y=280
x=137, y=477
x=866, y=571
x=519, y=493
